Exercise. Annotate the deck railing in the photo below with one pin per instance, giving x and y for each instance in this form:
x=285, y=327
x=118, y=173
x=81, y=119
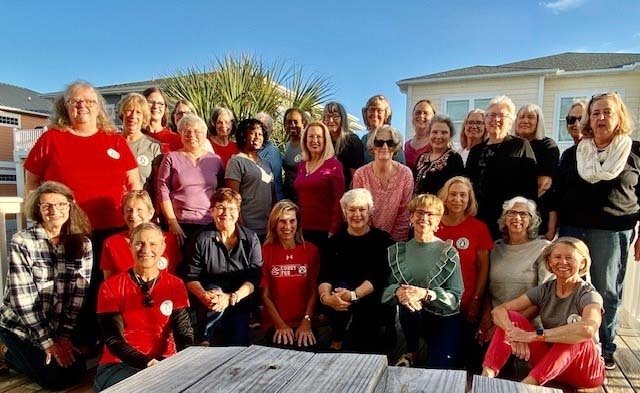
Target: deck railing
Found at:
x=23, y=140
x=9, y=206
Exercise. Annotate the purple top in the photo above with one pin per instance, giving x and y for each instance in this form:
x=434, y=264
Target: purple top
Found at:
x=189, y=187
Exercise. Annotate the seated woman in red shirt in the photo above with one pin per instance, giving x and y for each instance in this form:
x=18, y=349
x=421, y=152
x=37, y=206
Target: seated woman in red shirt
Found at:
x=116, y=256
x=143, y=313
x=289, y=276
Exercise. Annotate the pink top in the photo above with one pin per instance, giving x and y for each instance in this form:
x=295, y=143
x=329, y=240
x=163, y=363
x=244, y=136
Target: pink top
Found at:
x=319, y=196
x=389, y=205
x=411, y=155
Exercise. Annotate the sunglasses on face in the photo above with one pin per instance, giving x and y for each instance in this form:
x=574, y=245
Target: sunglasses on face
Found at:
x=572, y=119
x=381, y=142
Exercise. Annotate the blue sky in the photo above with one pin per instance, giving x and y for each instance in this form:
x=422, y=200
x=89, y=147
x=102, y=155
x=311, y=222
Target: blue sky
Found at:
x=362, y=47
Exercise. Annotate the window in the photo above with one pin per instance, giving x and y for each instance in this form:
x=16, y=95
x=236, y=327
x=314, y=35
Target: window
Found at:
x=111, y=109
x=457, y=109
x=9, y=120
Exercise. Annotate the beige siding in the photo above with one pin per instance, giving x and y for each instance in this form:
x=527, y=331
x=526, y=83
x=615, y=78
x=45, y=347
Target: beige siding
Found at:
x=521, y=90
x=524, y=90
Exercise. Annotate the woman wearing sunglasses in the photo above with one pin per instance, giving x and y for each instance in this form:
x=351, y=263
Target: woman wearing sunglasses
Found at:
x=435, y=167
x=573, y=120
x=389, y=182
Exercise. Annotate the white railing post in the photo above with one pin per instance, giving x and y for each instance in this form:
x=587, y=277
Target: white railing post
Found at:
x=8, y=205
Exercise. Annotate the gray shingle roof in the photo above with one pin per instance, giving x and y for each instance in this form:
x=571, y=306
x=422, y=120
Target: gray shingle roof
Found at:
x=24, y=99
x=569, y=61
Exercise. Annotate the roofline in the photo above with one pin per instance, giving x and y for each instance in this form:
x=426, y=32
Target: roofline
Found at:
x=12, y=109
x=625, y=68
x=402, y=84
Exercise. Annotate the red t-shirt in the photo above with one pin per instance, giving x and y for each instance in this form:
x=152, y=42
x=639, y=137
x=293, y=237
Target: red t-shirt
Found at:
x=468, y=237
x=147, y=329
x=225, y=152
x=170, y=140
x=94, y=167
x=117, y=256
x=290, y=276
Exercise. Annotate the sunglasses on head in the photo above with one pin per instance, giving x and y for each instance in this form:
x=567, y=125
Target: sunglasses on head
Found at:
x=381, y=142
x=572, y=119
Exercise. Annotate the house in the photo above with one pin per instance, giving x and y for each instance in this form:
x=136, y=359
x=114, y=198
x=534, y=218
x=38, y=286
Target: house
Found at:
x=552, y=82
x=20, y=108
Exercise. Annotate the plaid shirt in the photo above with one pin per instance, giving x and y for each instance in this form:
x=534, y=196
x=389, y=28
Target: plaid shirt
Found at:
x=44, y=291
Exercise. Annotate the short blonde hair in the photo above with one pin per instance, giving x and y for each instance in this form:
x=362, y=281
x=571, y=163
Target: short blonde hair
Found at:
x=134, y=101
x=577, y=244
x=426, y=201
x=395, y=135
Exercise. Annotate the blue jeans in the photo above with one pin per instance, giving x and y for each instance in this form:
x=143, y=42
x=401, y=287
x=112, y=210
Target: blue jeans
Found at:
x=29, y=360
x=441, y=334
x=609, y=252
x=111, y=373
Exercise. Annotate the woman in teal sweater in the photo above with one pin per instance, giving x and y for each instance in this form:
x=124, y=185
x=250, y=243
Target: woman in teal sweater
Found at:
x=426, y=281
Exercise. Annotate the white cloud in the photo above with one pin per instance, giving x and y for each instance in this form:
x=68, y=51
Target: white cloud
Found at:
x=562, y=5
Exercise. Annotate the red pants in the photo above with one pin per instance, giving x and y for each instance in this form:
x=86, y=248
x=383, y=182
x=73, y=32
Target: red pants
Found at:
x=577, y=365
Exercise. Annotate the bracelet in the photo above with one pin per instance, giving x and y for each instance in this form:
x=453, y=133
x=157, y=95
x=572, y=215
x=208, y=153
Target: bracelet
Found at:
x=233, y=299
x=540, y=335
x=307, y=317
x=426, y=297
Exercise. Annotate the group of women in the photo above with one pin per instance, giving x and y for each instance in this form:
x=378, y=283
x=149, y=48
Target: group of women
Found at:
x=417, y=238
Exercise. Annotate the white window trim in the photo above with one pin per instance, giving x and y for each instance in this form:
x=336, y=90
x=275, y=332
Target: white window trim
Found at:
x=13, y=115
x=8, y=168
x=557, y=116
x=468, y=97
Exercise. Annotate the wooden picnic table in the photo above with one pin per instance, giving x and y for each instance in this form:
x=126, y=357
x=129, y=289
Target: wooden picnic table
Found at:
x=264, y=369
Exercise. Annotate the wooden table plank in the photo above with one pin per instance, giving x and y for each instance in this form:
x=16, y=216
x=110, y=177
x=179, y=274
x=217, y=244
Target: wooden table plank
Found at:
x=628, y=364
x=257, y=369
x=178, y=372
x=414, y=380
x=343, y=372
x=496, y=385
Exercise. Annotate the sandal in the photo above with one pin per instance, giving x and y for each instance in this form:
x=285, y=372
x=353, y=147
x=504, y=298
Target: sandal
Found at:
x=405, y=361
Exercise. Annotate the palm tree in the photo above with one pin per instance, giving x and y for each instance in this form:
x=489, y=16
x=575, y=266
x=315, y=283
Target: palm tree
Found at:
x=246, y=86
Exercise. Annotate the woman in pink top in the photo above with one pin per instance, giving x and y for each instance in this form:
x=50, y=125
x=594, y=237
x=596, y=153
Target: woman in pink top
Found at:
x=390, y=183
x=319, y=185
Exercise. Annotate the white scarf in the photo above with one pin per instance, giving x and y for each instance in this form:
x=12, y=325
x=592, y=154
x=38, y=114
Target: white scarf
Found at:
x=594, y=166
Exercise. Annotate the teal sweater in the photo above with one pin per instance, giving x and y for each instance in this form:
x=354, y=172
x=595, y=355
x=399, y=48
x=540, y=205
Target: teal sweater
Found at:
x=434, y=265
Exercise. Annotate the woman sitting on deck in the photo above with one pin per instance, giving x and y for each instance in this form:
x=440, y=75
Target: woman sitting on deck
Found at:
x=571, y=313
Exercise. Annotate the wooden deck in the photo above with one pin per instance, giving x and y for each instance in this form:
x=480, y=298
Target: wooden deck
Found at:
x=624, y=379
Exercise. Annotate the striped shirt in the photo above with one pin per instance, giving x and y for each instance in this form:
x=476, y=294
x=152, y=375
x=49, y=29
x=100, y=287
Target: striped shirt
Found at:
x=44, y=290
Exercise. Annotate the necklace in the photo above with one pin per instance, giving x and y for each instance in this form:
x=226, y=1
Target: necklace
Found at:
x=146, y=287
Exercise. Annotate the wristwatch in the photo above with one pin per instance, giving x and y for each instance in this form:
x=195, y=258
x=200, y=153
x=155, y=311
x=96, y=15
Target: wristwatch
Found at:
x=233, y=299
x=539, y=334
x=354, y=296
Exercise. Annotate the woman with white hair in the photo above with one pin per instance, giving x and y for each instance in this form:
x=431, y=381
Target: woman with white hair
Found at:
x=390, y=183
x=501, y=167
x=187, y=179
x=515, y=264
x=530, y=126
x=354, y=274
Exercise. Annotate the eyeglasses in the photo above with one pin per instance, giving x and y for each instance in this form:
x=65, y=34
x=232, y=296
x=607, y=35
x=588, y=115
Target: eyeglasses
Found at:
x=221, y=208
x=87, y=103
x=60, y=206
x=572, y=119
x=191, y=132
x=475, y=123
x=423, y=213
x=514, y=213
x=182, y=113
x=493, y=115
x=381, y=142
x=156, y=103
x=332, y=117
